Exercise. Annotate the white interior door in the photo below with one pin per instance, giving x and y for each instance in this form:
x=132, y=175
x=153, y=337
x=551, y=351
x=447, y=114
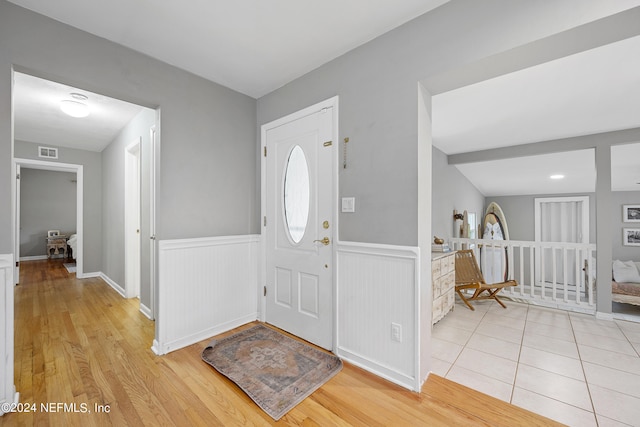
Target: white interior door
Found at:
x=300, y=225
x=132, y=219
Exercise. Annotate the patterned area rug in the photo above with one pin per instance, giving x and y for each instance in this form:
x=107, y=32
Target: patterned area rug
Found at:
x=276, y=371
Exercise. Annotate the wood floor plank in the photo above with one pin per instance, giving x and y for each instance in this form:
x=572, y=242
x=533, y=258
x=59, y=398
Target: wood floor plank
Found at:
x=78, y=342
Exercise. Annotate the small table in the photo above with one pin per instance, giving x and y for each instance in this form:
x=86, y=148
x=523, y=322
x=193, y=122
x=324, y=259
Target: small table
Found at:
x=57, y=243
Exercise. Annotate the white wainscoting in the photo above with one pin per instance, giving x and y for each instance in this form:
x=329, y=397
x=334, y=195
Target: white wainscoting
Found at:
x=379, y=285
x=206, y=286
x=8, y=393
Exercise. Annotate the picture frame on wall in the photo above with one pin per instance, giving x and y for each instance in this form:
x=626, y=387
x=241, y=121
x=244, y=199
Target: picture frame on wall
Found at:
x=631, y=213
x=631, y=236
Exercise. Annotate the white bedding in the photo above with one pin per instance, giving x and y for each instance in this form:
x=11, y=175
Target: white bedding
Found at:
x=626, y=271
x=73, y=242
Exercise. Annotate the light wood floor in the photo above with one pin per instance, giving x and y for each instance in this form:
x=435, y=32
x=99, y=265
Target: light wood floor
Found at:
x=79, y=343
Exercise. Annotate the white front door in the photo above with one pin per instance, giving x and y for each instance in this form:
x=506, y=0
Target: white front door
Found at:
x=299, y=208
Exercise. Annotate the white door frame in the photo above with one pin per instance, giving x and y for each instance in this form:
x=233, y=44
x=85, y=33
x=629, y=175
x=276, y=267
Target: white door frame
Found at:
x=132, y=163
x=538, y=201
x=154, y=152
x=329, y=103
x=19, y=164
x=16, y=234
x=585, y=213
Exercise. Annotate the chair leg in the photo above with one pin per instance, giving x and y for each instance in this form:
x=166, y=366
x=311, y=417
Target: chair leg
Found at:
x=499, y=302
x=464, y=300
x=493, y=294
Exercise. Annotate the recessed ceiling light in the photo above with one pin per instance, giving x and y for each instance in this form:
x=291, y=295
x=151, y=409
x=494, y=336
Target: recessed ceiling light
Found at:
x=557, y=176
x=75, y=108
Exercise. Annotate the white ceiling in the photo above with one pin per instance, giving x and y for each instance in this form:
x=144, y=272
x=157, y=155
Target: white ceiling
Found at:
x=590, y=92
x=531, y=175
x=38, y=118
x=249, y=46
x=252, y=46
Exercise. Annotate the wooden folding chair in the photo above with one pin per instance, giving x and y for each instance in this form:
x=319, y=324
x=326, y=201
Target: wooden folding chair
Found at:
x=469, y=276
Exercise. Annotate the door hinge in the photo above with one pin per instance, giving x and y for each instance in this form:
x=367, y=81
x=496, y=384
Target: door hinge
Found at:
x=328, y=143
x=264, y=221
x=18, y=176
x=264, y=292
x=17, y=263
x=265, y=151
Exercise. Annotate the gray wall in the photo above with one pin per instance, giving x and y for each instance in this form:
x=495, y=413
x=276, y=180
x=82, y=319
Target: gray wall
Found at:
x=451, y=190
x=620, y=251
x=47, y=202
x=92, y=196
x=113, y=184
x=377, y=86
x=207, y=131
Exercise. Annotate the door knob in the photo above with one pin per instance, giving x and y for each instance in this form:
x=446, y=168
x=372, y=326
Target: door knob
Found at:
x=325, y=241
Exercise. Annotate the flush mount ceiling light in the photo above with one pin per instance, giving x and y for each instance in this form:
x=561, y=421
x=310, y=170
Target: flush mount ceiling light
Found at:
x=557, y=176
x=75, y=107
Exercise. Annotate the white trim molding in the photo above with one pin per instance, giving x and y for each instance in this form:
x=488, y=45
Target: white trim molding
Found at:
x=116, y=287
x=206, y=286
x=7, y=387
x=61, y=167
x=378, y=289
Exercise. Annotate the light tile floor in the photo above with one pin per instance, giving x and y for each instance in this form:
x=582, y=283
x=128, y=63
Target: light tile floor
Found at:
x=569, y=367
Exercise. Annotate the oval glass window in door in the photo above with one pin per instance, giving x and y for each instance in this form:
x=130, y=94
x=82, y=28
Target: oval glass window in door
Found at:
x=296, y=194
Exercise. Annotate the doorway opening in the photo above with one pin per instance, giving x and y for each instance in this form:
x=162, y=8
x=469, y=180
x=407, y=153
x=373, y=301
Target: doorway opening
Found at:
x=77, y=171
x=95, y=141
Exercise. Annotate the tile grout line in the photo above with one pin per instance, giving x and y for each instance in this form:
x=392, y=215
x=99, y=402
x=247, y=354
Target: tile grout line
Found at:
x=584, y=373
x=626, y=337
x=515, y=376
x=466, y=342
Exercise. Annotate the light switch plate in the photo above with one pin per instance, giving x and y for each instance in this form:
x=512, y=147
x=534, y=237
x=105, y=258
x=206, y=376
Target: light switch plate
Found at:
x=348, y=204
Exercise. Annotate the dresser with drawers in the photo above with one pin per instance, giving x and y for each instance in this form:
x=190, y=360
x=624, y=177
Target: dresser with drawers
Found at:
x=443, y=280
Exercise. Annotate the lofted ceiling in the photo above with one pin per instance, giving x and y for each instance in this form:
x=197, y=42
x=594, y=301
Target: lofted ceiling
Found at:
x=590, y=92
x=249, y=46
x=587, y=93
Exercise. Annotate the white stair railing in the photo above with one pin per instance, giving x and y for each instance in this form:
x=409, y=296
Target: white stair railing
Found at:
x=552, y=274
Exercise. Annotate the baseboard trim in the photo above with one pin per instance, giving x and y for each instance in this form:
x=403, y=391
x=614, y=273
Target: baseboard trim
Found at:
x=9, y=404
x=164, y=348
x=35, y=258
x=155, y=347
x=146, y=311
x=387, y=373
x=119, y=289
x=604, y=316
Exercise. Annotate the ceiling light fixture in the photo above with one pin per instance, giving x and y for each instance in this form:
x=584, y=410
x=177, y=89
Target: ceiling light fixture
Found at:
x=75, y=108
x=557, y=176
